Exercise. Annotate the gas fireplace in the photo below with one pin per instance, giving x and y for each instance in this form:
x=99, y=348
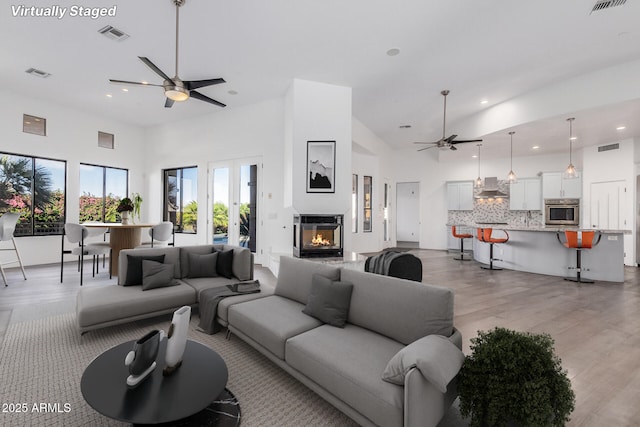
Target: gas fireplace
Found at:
x=317, y=235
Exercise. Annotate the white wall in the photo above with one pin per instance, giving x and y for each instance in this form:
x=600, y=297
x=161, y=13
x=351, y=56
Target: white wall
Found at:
x=371, y=157
x=72, y=135
x=319, y=112
x=607, y=166
x=252, y=131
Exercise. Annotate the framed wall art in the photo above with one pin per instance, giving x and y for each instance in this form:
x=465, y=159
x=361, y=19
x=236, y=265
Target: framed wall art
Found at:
x=321, y=161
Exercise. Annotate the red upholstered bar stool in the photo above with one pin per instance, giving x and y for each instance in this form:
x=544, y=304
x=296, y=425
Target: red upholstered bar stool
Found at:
x=579, y=240
x=461, y=236
x=486, y=235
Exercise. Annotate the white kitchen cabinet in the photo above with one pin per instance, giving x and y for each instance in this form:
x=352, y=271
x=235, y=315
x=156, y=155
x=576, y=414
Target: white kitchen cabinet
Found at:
x=460, y=195
x=556, y=186
x=526, y=195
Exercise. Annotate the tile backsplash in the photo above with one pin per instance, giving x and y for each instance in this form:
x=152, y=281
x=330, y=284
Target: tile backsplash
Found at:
x=494, y=210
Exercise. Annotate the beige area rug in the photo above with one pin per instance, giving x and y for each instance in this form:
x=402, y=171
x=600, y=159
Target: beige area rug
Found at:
x=42, y=361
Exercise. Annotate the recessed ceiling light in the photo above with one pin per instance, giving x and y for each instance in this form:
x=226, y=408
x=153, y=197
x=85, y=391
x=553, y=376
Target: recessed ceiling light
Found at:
x=535, y=147
x=144, y=82
x=621, y=128
x=573, y=138
x=109, y=95
x=232, y=92
x=475, y=156
x=404, y=126
x=124, y=89
x=393, y=52
x=484, y=101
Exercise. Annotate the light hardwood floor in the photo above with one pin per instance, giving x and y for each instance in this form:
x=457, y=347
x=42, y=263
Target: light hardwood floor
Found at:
x=596, y=327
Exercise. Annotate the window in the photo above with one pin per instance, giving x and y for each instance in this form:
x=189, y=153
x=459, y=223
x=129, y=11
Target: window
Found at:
x=367, y=190
x=35, y=187
x=101, y=189
x=354, y=203
x=105, y=140
x=34, y=125
x=180, y=198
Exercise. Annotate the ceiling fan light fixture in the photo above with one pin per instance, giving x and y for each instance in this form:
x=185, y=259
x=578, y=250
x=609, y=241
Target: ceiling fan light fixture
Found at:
x=176, y=93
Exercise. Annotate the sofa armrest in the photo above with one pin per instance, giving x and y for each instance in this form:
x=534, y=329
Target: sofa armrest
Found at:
x=436, y=357
x=424, y=404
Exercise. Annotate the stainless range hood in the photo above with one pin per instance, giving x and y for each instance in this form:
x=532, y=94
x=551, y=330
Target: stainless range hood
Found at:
x=490, y=190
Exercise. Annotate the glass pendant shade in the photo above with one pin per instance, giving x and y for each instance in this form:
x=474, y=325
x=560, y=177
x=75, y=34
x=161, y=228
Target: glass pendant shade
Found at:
x=511, y=177
x=478, y=182
x=570, y=172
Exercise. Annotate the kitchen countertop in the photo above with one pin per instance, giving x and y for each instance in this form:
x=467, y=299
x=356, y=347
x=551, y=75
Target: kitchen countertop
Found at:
x=538, y=227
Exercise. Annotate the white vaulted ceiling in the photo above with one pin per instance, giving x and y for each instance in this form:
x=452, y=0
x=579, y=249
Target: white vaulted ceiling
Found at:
x=494, y=49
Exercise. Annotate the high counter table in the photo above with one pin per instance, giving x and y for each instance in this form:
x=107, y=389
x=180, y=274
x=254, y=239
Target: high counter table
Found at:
x=535, y=249
x=122, y=236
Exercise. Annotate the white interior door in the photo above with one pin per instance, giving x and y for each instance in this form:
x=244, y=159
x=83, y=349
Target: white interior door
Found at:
x=408, y=212
x=606, y=205
x=234, y=216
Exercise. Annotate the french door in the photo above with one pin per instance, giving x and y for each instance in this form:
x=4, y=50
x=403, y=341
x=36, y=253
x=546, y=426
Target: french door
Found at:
x=234, y=212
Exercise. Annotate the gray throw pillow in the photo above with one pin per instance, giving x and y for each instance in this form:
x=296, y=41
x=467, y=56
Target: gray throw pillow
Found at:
x=157, y=275
x=134, y=268
x=329, y=301
x=203, y=265
x=437, y=359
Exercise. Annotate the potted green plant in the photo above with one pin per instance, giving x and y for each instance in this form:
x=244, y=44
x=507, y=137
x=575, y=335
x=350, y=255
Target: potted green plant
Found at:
x=514, y=378
x=125, y=207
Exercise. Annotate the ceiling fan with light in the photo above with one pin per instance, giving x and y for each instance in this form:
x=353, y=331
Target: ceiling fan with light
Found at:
x=176, y=89
x=446, y=143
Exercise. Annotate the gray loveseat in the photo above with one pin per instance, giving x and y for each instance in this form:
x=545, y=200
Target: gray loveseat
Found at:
x=114, y=304
x=391, y=323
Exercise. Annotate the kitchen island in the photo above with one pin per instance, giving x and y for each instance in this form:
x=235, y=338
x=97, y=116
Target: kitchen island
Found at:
x=535, y=249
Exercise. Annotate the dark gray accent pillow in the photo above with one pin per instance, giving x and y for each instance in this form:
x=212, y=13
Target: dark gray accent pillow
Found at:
x=134, y=268
x=203, y=265
x=157, y=275
x=329, y=301
x=224, y=266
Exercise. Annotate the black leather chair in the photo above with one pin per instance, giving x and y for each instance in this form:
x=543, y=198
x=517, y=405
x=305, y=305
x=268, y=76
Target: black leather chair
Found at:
x=395, y=264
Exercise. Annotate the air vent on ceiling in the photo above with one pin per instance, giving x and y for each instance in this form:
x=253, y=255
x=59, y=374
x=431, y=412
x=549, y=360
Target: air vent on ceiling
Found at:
x=606, y=4
x=113, y=33
x=609, y=147
x=37, y=73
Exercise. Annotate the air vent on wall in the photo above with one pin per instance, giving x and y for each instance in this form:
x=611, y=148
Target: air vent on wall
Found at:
x=37, y=73
x=609, y=147
x=113, y=33
x=606, y=4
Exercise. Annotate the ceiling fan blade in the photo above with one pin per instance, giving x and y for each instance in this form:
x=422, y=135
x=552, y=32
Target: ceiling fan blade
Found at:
x=168, y=103
x=421, y=142
x=452, y=147
x=201, y=97
x=195, y=84
x=460, y=141
x=125, y=82
x=426, y=148
x=157, y=70
x=451, y=138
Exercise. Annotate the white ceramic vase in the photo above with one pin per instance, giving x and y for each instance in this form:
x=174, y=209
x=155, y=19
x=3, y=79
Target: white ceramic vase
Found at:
x=177, y=339
x=124, y=215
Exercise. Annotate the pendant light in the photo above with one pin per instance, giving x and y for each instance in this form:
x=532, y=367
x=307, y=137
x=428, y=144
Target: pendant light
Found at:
x=511, y=177
x=570, y=172
x=478, y=182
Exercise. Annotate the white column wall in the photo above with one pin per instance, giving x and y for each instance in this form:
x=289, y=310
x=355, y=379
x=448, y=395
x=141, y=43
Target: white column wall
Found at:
x=72, y=135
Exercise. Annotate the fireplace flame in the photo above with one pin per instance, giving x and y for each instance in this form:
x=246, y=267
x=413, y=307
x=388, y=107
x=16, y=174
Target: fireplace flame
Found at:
x=318, y=240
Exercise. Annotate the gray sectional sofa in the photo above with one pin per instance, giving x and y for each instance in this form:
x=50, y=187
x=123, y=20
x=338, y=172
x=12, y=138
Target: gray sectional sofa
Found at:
x=115, y=304
x=395, y=328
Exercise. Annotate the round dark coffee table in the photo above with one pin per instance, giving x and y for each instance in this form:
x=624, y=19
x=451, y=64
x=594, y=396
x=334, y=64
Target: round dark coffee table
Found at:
x=158, y=399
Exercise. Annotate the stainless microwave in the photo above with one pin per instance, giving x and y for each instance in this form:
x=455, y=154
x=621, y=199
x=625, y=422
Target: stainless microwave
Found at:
x=562, y=211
